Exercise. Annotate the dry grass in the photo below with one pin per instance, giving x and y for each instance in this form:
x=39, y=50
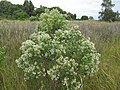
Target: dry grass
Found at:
x=106, y=36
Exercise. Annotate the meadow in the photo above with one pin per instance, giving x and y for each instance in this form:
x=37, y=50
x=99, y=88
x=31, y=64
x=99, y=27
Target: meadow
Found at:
x=106, y=37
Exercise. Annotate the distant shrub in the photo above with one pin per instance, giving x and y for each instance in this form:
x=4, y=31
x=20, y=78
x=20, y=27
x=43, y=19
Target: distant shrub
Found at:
x=34, y=18
x=91, y=18
x=58, y=54
x=84, y=18
x=21, y=15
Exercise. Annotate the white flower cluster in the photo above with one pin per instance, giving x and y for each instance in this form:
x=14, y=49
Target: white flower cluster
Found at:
x=79, y=48
x=52, y=21
x=41, y=48
x=66, y=71
x=64, y=56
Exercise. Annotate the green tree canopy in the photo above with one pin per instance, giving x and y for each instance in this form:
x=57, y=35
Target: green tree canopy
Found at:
x=40, y=10
x=91, y=18
x=28, y=7
x=13, y=11
x=9, y=10
x=5, y=8
x=21, y=15
x=107, y=14
x=84, y=17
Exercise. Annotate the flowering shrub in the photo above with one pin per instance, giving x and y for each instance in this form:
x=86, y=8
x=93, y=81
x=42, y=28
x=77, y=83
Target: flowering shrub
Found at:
x=52, y=21
x=59, y=57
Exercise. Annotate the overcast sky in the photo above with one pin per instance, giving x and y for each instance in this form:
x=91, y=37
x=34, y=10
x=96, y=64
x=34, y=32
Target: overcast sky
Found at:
x=79, y=7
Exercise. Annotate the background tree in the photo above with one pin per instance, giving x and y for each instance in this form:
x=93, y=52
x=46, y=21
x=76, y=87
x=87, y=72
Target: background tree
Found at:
x=31, y=8
x=40, y=10
x=21, y=15
x=91, y=18
x=28, y=7
x=68, y=15
x=9, y=10
x=71, y=16
x=59, y=9
x=15, y=8
x=84, y=17
x=25, y=11
x=117, y=16
x=107, y=14
x=5, y=8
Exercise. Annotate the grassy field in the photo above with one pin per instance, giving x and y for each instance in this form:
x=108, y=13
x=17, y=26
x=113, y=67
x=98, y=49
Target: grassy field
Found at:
x=106, y=37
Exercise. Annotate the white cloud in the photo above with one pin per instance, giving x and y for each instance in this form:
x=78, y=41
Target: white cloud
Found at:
x=80, y=7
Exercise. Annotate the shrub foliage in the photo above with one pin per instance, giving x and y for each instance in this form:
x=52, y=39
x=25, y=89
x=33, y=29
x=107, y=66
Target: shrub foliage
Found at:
x=58, y=55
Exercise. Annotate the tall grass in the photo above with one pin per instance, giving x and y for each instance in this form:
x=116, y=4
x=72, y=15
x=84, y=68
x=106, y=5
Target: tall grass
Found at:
x=12, y=34
x=106, y=37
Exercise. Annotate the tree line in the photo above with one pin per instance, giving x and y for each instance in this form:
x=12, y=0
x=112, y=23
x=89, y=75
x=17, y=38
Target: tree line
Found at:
x=29, y=11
